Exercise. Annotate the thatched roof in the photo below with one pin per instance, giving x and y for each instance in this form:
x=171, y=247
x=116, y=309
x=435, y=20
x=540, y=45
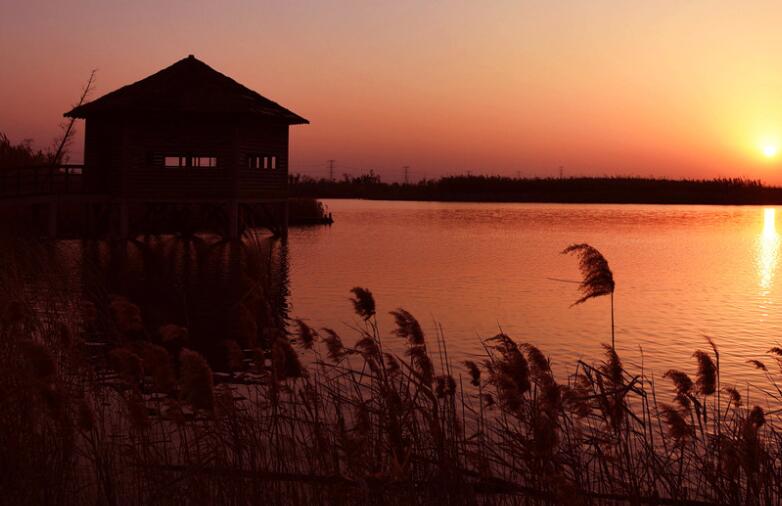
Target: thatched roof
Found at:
x=187, y=86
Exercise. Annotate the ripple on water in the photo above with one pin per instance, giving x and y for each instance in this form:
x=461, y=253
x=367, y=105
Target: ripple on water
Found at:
x=682, y=273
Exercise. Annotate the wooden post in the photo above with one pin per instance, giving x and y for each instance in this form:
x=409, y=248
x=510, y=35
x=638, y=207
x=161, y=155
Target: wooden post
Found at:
x=52, y=221
x=284, y=216
x=123, y=220
x=88, y=219
x=118, y=222
x=233, y=219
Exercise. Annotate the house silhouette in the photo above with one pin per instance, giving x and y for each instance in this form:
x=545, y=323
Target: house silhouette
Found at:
x=186, y=138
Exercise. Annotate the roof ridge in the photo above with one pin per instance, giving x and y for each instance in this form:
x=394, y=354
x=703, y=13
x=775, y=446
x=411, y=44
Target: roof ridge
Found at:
x=187, y=85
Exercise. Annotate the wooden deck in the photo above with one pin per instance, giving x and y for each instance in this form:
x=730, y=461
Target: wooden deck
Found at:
x=41, y=199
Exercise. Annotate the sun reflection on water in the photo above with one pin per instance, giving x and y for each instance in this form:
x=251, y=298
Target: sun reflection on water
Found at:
x=768, y=250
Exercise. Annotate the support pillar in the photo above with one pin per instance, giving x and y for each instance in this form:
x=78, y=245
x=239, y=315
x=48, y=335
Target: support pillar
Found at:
x=88, y=220
x=52, y=219
x=123, y=220
x=284, y=217
x=118, y=220
x=233, y=219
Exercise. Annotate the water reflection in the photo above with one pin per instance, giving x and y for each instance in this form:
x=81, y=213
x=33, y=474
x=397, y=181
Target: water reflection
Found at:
x=768, y=251
x=226, y=294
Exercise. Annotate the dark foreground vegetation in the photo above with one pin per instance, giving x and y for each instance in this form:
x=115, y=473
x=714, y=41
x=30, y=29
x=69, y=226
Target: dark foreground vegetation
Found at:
x=101, y=408
x=616, y=190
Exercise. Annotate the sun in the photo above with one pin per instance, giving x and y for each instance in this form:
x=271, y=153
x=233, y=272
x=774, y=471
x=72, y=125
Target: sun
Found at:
x=770, y=150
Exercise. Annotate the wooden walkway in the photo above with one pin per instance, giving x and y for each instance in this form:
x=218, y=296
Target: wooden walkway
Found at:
x=39, y=181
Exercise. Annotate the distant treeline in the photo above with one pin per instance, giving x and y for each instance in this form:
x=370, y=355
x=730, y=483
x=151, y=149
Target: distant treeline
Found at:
x=618, y=190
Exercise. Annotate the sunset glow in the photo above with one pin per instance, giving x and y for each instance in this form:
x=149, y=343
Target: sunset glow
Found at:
x=769, y=221
x=607, y=88
x=411, y=252
x=768, y=251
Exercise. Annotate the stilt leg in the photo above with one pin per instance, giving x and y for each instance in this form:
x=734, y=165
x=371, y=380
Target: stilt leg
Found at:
x=233, y=219
x=52, y=222
x=123, y=220
x=284, y=215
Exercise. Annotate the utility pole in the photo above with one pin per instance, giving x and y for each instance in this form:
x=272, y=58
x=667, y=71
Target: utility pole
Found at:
x=561, y=172
x=407, y=168
x=331, y=169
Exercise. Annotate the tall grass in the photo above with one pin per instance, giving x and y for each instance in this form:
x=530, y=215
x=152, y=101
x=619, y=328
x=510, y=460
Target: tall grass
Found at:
x=598, y=280
x=382, y=416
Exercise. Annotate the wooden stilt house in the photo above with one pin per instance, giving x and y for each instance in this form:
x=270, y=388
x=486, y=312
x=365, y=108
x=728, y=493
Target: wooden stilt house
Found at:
x=185, y=136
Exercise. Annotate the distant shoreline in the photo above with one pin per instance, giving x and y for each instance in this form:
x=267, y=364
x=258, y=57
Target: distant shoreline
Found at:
x=586, y=190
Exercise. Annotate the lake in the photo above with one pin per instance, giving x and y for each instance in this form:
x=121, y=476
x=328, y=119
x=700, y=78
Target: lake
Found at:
x=681, y=272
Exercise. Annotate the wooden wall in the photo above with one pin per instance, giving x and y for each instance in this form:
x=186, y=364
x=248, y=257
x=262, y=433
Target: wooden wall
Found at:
x=257, y=139
x=125, y=158
x=102, y=155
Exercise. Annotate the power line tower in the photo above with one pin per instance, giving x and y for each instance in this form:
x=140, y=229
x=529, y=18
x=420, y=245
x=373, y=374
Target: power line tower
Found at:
x=331, y=169
x=407, y=169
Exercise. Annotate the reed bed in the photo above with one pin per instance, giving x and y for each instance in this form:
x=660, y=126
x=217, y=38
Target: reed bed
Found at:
x=129, y=416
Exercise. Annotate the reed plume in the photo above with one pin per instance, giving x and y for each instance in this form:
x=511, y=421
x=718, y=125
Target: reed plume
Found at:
x=612, y=367
x=334, y=347
x=776, y=350
x=285, y=360
x=445, y=386
x=757, y=417
x=678, y=428
x=407, y=327
x=40, y=361
x=734, y=395
x=706, y=378
x=683, y=386
x=128, y=365
x=234, y=356
x=510, y=372
x=368, y=347
x=306, y=334
x=598, y=280
x=157, y=363
x=475, y=373
x=392, y=364
x=681, y=381
x=363, y=302
x=422, y=362
x=126, y=315
x=540, y=367
x=171, y=334
x=195, y=382
x=138, y=414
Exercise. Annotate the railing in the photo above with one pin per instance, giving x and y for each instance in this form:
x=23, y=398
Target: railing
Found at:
x=41, y=181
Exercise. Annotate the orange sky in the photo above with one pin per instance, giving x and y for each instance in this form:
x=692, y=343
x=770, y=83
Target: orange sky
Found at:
x=664, y=88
